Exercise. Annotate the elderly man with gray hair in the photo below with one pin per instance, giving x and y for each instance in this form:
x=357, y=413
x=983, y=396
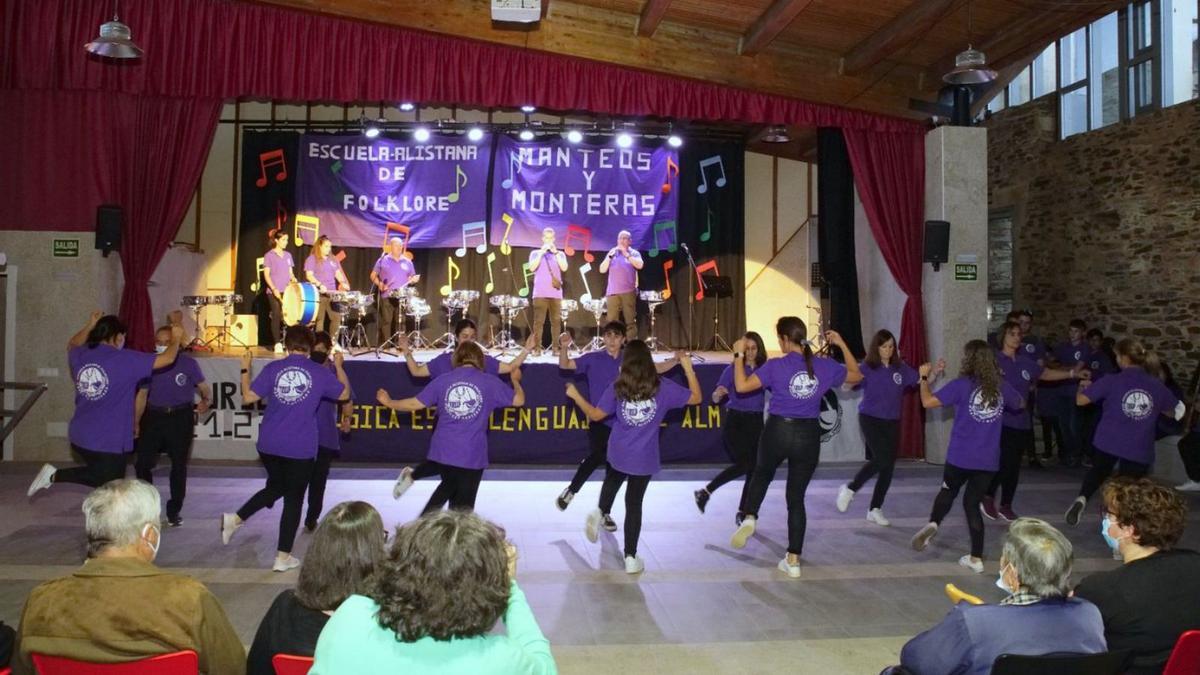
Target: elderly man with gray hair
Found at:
x=119, y=606
x=1037, y=617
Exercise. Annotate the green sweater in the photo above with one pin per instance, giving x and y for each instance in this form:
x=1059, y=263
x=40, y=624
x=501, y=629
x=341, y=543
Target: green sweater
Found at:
x=353, y=643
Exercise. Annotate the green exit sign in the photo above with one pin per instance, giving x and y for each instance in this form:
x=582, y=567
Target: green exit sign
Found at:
x=66, y=248
x=964, y=272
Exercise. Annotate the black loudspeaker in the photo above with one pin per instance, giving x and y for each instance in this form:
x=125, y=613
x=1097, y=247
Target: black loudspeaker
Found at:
x=937, y=242
x=108, y=227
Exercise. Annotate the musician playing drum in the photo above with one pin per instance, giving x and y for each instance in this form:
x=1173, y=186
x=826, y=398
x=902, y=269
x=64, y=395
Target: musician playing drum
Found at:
x=325, y=271
x=548, y=264
x=278, y=272
x=392, y=271
x=621, y=265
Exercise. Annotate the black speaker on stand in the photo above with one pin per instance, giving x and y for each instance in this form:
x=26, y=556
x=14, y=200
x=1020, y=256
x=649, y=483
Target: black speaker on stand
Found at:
x=937, y=243
x=108, y=228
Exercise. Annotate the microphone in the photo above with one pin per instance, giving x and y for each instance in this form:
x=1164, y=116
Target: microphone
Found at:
x=685, y=248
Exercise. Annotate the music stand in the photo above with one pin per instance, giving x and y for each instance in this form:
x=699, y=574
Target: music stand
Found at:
x=717, y=287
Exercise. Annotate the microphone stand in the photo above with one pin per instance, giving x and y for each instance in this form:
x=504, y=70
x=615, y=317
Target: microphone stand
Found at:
x=692, y=297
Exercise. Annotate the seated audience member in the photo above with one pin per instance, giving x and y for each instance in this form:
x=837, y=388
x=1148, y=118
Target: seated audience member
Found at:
x=1155, y=596
x=1037, y=617
x=119, y=606
x=346, y=548
x=448, y=579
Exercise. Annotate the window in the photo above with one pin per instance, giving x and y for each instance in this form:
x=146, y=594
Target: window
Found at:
x=1180, y=51
x=1000, y=267
x=1045, y=72
x=1105, y=74
x=1018, y=89
x=1073, y=57
x=1073, y=112
x=996, y=104
x=1141, y=48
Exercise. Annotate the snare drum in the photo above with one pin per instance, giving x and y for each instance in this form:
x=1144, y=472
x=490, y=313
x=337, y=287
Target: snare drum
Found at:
x=300, y=303
x=460, y=299
x=405, y=293
x=652, y=297
x=224, y=299
x=596, y=306
x=569, y=305
x=194, y=301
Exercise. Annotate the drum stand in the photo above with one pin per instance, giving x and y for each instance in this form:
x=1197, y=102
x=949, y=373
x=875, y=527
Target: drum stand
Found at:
x=198, y=343
x=449, y=339
x=597, y=343
x=401, y=312
x=416, y=339
x=504, y=340
x=653, y=342
x=572, y=347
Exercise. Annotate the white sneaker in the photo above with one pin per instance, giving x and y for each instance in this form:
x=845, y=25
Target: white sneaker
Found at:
x=634, y=565
x=921, y=539
x=976, y=567
x=1076, y=510
x=279, y=348
x=43, y=479
x=1190, y=486
x=289, y=563
x=592, y=528
x=229, y=525
x=403, y=482
x=744, y=531
x=876, y=516
x=789, y=569
x=845, y=495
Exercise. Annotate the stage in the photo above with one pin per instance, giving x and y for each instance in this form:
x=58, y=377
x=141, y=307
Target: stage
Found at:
x=549, y=429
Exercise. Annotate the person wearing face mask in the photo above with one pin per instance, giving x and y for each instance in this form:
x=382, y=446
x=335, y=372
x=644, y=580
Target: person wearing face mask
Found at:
x=106, y=378
x=333, y=420
x=1037, y=616
x=121, y=607
x=165, y=414
x=1150, y=600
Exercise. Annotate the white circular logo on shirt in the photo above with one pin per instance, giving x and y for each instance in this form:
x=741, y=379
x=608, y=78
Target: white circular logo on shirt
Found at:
x=1095, y=365
x=897, y=378
x=1078, y=355
x=1137, y=404
x=802, y=385
x=292, y=385
x=981, y=411
x=1029, y=348
x=463, y=401
x=638, y=413
x=830, y=417
x=181, y=379
x=92, y=382
x=1025, y=374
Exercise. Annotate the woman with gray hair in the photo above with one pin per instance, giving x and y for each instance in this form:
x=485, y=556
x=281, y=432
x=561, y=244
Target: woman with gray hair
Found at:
x=1037, y=617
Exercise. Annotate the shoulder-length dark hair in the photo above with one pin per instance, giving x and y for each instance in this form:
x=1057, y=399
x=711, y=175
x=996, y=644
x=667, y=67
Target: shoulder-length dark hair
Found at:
x=872, y=359
x=445, y=577
x=345, y=551
x=761, y=358
x=638, y=380
x=106, y=329
x=467, y=354
x=793, y=328
x=979, y=364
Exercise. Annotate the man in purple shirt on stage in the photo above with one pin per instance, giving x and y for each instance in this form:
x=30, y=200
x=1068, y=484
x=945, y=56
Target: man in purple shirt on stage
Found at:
x=392, y=271
x=548, y=264
x=621, y=265
x=279, y=270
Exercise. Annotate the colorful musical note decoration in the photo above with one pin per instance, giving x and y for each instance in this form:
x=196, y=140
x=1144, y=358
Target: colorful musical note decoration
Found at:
x=587, y=290
x=673, y=239
x=473, y=231
x=505, y=247
x=260, y=266
x=579, y=233
x=401, y=231
x=514, y=168
x=281, y=216
x=671, y=166
x=705, y=163
x=271, y=158
x=458, y=173
x=525, y=271
x=452, y=273
x=304, y=224
x=707, y=233
x=701, y=269
x=491, y=282
x=667, y=266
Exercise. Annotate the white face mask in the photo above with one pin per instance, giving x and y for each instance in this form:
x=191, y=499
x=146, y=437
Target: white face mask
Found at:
x=1003, y=585
x=159, y=349
x=157, y=539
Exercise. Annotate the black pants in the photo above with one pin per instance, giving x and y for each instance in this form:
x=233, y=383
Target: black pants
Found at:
x=741, y=433
x=316, y=485
x=287, y=478
x=325, y=310
x=98, y=468
x=799, y=442
x=276, y=320
x=169, y=432
x=1089, y=419
x=389, y=310
x=953, y=479
x=1013, y=445
x=426, y=469
x=635, y=493
x=597, y=454
x=882, y=436
x=1189, y=451
x=458, y=488
x=1102, y=467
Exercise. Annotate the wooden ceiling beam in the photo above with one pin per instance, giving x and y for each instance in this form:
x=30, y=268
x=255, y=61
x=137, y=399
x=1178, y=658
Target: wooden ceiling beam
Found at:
x=770, y=24
x=897, y=34
x=652, y=13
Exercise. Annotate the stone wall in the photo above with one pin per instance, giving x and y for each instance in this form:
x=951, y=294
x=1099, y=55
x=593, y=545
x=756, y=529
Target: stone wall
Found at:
x=1106, y=223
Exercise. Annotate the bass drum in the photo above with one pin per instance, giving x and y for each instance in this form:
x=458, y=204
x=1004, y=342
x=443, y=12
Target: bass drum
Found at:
x=300, y=303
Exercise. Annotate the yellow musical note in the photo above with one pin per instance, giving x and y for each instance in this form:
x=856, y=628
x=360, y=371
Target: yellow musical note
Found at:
x=458, y=172
x=491, y=282
x=259, y=267
x=505, y=247
x=524, y=292
x=310, y=224
x=452, y=273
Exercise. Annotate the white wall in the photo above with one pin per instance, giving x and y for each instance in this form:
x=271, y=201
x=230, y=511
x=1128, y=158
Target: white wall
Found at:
x=880, y=300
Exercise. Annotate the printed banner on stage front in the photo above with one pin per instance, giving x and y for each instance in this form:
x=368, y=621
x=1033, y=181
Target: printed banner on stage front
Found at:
x=587, y=193
x=351, y=187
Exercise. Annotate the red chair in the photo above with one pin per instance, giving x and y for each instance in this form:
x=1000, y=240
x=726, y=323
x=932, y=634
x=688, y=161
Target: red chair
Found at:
x=178, y=663
x=1185, y=658
x=286, y=664
x=6, y=671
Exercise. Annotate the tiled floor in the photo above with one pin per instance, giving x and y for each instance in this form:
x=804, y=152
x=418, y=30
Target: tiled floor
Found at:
x=700, y=607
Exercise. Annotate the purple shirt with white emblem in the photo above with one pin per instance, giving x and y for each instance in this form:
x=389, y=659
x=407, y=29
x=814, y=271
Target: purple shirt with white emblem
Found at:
x=794, y=392
x=975, y=436
x=752, y=402
x=292, y=388
x=175, y=385
x=465, y=399
x=542, y=286
x=444, y=363
x=325, y=271
x=1130, y=403
x=279, y=268
x=883, y=388
x=622, y=275
x=106, y=382
x=1021, y=373
x=394, y=273
x=633, y=445
x=1033, y=347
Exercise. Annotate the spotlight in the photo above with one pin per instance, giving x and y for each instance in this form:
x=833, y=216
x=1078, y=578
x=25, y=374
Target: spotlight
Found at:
x=526, y=135
x=475, y=134
x=421, y=134
x=624, y=140
x=407, y=107
x=371, y=130
x=528, y=109
x=574, y=136
x=674, y=141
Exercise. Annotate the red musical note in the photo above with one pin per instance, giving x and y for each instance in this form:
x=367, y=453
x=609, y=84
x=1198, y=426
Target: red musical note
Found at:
x=339, y=256
x=403, y=232
x=666, y=295
x=271, y=158
x=702, y=268
x=281, y=216
x=666, y=188
x=583, y=234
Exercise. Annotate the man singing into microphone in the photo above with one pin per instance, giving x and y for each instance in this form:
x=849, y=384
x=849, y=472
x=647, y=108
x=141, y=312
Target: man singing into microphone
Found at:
x=547, y=265
x=621, y=265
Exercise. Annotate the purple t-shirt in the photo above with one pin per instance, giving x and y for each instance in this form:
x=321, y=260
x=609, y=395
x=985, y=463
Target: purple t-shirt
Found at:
x=279, y=268
x=394, y=273
x=600, y=370
x=174, y=386
x=633, y=445
x=292, y=388
x=883, y=387
x=1033, y=347
x=1101, y=365
x=1020, y=373
x=1130, y=403
x=444, y=363
x=975, y=436
x=752, y=402
x=328, y=435
x=325, y=271
x=1067, y=355
x=106, y=383
x=542, y=288
x=465, y=398
x=622, y=276
x=795, y=393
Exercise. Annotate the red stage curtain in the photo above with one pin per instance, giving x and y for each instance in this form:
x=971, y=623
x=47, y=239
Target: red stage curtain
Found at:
x=889, y=172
